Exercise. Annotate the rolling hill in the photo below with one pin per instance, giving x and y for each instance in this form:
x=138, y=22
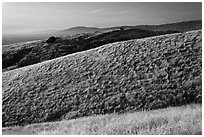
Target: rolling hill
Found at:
x=140, y=74
x=23, y=54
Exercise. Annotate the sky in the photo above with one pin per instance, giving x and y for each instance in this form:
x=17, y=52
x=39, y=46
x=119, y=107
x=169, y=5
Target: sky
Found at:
x=21, y=17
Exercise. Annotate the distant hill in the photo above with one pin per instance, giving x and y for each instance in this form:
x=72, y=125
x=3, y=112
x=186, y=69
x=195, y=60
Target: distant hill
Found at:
x=179, y=26
x=140, y=74
x=77, y=30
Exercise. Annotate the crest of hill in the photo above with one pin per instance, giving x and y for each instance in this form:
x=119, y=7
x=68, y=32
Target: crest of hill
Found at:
x=141, y=74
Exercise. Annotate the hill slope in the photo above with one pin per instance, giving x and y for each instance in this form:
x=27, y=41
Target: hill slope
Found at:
x=148, y=73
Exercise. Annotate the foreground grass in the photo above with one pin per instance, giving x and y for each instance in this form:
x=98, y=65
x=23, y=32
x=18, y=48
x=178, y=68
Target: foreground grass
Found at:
x=142, y=74
x=183, y=120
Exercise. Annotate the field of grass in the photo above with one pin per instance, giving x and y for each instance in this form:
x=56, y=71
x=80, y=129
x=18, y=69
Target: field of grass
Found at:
x=142, y=74
x=183, y=120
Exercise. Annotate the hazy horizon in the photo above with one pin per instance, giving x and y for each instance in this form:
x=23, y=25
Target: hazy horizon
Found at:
x=24, y=17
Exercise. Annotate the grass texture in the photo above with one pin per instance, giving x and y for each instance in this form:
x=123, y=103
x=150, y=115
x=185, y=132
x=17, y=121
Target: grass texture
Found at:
x=183, y=120
x=142, y=74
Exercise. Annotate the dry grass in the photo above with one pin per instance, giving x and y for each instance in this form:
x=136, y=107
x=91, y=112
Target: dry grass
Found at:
x=184, y=120
x=148, y=74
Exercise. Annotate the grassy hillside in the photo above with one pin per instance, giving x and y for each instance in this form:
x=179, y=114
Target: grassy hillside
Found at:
x=185, y=120
x=141, y=74
x=19, y=55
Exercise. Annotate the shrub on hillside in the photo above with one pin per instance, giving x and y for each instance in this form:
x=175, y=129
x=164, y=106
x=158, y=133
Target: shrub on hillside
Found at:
x=51, y=39
x=121, y=28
